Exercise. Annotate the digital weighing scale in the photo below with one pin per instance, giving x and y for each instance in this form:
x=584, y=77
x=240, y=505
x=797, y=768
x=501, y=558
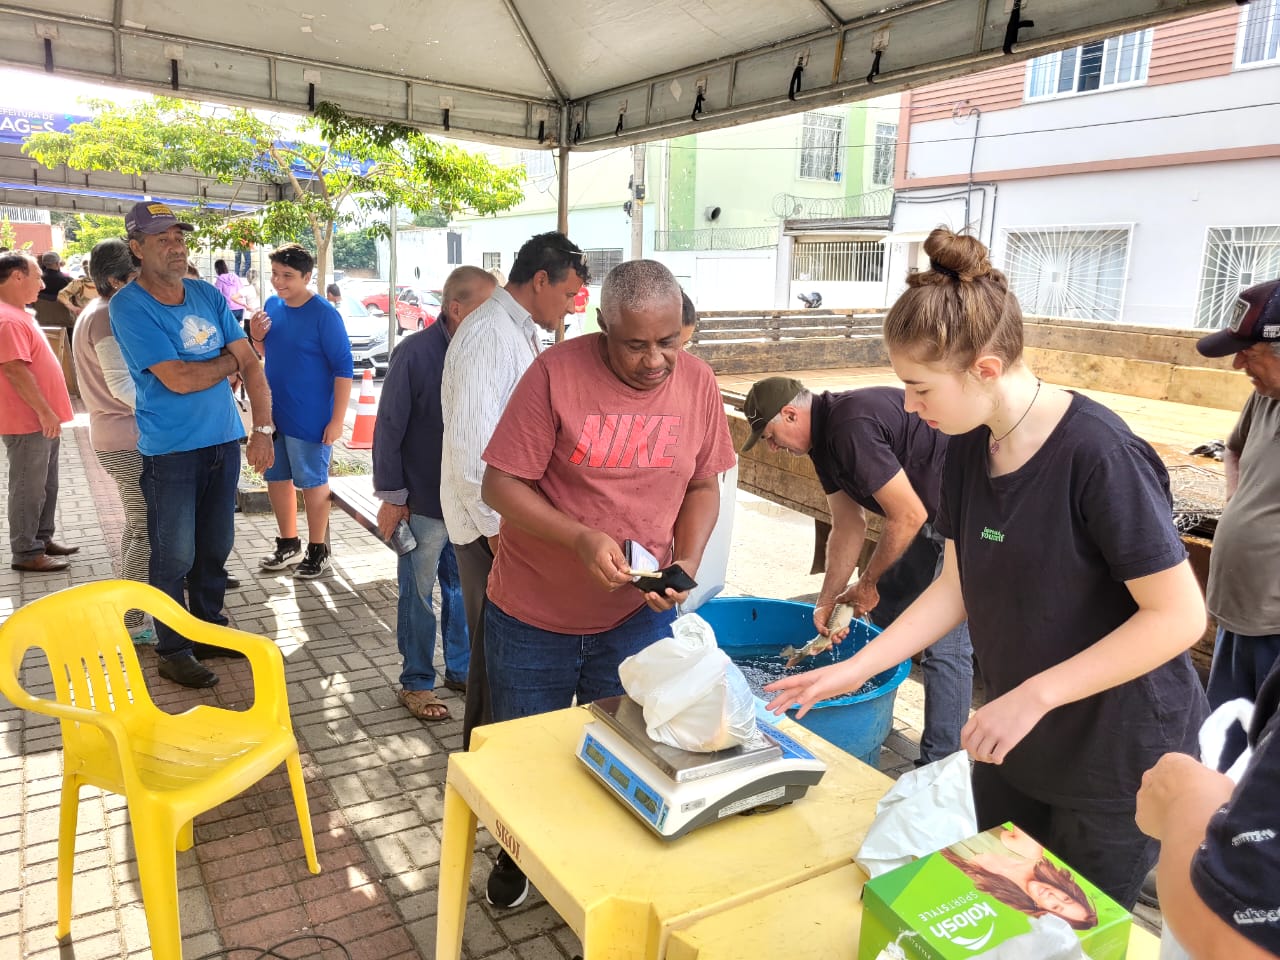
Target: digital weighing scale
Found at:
x=674, y=791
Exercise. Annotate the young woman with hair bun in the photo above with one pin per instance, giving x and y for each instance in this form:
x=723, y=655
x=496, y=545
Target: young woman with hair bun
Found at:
x=1062, y=554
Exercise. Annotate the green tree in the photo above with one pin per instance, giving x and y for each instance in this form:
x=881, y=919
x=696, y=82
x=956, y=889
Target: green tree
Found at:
x=89, y=228
x=8, y=236
x=338, y=170
x=355, y=250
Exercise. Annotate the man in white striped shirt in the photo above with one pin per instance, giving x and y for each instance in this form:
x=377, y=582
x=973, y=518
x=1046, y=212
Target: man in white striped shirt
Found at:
x=489, y=354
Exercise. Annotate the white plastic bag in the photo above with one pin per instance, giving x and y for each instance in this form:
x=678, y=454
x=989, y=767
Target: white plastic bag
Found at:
x=927, y=809
x=693, y=696
x=1213, y=739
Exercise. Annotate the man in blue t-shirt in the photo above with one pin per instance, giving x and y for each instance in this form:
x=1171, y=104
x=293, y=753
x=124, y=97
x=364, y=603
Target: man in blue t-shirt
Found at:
x=181, y=343
x=309, y=368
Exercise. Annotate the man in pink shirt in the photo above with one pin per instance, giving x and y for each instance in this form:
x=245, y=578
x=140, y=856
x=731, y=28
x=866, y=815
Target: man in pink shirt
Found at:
x=33, y=406
x=608, y=437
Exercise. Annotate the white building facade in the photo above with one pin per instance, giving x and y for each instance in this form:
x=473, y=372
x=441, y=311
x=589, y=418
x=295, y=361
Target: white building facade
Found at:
x=1128, y=180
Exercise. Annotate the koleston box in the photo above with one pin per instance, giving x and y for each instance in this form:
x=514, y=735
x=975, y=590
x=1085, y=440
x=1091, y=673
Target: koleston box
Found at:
x=968, y=899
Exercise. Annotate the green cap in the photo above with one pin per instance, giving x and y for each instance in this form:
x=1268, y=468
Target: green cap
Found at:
x=765, y=401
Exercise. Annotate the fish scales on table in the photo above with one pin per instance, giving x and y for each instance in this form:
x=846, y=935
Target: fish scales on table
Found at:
x=840, y=618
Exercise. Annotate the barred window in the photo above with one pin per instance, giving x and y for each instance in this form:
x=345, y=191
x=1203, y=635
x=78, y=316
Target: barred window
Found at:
x=1259, y=33
x=821, y=142
x=886, y=150
x=601, y=261
x=1076, y=272
x=1235, y=258
x=491, y=261
x=857, y=261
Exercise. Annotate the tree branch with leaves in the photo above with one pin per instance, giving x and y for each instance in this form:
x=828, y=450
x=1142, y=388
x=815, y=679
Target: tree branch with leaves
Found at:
x=332, y=170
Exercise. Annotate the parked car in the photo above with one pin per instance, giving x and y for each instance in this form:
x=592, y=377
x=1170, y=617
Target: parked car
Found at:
x=368, y=334
x=416, y=307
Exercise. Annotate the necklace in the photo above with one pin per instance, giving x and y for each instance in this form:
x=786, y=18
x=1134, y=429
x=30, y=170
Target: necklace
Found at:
x=994, y=446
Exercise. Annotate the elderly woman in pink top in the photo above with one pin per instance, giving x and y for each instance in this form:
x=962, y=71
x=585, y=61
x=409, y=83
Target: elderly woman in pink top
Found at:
x=108, y=392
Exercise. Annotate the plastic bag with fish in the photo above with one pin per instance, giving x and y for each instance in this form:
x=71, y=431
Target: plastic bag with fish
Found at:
x=840, y=619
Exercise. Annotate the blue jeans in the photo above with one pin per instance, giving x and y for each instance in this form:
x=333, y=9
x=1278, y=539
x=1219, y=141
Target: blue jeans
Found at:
x=536, y=671
x=1240, y=664
x=416, y=621
x=191, y=502
x=244, y=259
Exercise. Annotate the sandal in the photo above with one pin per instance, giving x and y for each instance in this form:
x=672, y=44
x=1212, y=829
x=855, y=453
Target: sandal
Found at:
x=424, y=704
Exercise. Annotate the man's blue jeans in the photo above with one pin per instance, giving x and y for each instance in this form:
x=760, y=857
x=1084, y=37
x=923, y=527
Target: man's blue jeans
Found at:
x=191, y=502
x=536, y=671
x=1240, y=664
x=415, y=620
x=244, y=260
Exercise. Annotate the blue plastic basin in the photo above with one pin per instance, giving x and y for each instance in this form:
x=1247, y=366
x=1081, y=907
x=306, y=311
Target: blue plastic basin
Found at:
x=747, y=627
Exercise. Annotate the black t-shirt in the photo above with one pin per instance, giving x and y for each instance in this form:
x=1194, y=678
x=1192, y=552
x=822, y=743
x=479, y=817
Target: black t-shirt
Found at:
x=1237, y=869
x=1044, y=553
x=54, y=281
x=862, y=438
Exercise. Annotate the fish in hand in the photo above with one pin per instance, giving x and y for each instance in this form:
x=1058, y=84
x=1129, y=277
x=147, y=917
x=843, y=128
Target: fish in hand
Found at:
x=840, y=618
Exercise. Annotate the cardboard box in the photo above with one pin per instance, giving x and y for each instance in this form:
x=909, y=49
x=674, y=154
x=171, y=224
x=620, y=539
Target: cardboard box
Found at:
x=975, y=895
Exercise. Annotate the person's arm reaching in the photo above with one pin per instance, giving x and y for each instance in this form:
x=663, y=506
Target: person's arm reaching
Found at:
x=1231, y=467
x=1178, y=798
x=519, y=503
x=904, y=515
x=24, y=385
x=394, y=406
x=1169, y=619
x=936, y=611
x=844, y=546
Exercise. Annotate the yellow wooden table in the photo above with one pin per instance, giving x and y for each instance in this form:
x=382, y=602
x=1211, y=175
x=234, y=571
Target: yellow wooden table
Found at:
x=620, y=887
x=818, y=919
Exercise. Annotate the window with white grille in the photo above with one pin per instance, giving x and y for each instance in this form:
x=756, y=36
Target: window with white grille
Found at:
x=601, y=261
x=821, y=145
x=1259, y=37
x=1076, y=272
x=886, y=149
x=1101, y=65
x=1235, y=258
x=538, y=163
x=491, y=261
x=857, y=261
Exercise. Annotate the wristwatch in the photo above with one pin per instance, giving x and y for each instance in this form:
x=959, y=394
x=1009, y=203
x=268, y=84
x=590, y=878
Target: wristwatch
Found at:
x=268, y=430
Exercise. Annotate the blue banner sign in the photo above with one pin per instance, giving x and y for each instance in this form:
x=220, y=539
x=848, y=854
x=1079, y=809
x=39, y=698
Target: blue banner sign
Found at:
x=17, y=125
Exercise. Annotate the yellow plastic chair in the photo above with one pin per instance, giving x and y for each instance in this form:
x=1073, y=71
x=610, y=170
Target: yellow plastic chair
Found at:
x=169, y=768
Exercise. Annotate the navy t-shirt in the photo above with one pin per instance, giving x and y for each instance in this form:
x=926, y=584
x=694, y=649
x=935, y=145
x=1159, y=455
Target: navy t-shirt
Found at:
x=1044, y=553
x=1237, y=869
x=862, y=438
x=307, y=349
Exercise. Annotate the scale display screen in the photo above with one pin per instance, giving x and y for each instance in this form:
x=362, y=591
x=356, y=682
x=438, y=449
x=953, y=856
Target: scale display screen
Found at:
x=624, y=782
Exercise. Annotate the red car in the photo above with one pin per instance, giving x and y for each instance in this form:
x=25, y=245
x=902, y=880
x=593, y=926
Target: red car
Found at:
x=416, y=308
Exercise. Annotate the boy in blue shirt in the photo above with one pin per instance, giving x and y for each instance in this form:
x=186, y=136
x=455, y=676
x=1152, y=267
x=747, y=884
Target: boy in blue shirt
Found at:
x=308, y=358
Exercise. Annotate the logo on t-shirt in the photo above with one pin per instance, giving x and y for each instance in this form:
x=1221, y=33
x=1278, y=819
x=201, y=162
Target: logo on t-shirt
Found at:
x=995, y=536
x=199, y=335
x=627, y=440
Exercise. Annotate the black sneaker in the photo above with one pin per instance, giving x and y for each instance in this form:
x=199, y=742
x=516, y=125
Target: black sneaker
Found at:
x=288, y=550
x=508, y=886
x=315, y=563
x=208, y=651
x=185, y=669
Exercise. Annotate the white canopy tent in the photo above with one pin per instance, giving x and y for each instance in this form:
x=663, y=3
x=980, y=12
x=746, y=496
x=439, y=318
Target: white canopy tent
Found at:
x=566, y=74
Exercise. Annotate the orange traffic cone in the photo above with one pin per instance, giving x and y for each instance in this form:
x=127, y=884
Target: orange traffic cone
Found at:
x=366, y=416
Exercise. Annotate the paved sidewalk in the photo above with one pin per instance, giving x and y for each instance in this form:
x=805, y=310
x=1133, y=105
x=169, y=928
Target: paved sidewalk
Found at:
x=374, y=773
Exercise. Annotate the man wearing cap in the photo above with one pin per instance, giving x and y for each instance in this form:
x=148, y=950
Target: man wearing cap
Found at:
x=1244, y=587
x=181, y=343
x=871, y=454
